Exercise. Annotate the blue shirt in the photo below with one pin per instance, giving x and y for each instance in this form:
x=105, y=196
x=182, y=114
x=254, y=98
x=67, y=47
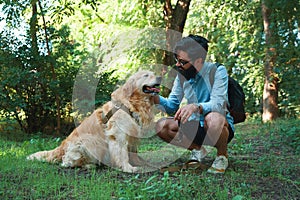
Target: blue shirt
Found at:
x=200, y=92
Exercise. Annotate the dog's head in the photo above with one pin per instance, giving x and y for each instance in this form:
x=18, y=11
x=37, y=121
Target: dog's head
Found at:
x=147, y=82
x=142, y=83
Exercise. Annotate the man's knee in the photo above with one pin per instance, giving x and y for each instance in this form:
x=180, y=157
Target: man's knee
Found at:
x=160, y=125
x=166, y=126
x=214, y=125
x=215, y=119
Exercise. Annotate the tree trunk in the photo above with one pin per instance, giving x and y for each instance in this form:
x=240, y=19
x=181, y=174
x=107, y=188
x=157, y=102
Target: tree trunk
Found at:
x=30, y=90
x=175, y=20
x=54, y=77
x=33, y=28
x=270, y=93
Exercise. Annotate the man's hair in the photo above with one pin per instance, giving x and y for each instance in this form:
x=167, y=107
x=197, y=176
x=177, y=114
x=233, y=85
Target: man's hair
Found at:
x=195, y=46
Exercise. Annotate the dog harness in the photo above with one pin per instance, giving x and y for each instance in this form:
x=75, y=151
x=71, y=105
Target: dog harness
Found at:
x=117, y=106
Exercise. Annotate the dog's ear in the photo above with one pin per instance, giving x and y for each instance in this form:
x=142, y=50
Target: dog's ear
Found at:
x=124, y=91
x=128, y=87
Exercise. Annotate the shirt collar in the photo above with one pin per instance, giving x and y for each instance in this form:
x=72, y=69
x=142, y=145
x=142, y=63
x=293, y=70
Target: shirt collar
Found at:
x=200, y=74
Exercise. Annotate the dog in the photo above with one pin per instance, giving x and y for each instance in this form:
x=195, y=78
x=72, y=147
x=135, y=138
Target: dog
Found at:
x=111, y=133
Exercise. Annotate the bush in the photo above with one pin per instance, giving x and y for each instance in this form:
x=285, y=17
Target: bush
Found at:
x=31, y=92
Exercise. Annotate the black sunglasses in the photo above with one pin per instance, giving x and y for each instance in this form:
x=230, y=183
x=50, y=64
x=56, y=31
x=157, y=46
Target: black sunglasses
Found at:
x=180, y=61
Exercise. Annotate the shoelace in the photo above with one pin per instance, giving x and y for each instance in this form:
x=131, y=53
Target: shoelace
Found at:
x=219, y=161
x=195, y=154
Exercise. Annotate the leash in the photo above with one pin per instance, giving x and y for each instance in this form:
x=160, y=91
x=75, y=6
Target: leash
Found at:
x=185, y=168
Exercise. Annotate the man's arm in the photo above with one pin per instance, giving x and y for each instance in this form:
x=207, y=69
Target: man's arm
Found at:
x=171, y=104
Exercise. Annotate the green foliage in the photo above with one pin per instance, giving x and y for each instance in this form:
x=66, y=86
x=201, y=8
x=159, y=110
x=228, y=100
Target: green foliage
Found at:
x=14, y=11
x=91, y=89
x=235, y=31
x=114, y=32
x=27, y=86
x=228, y=28
x=285, y=30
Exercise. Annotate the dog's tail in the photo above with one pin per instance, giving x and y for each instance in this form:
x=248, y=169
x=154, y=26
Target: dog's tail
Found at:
x=52, y=156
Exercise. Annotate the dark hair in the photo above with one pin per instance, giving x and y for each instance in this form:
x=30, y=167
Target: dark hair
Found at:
x=195, y=46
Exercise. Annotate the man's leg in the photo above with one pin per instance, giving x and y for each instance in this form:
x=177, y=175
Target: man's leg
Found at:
x=167, y=129
x=216, y=132
x=217, y=135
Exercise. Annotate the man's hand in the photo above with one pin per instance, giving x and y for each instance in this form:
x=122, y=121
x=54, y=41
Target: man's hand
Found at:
x=156, y=99
x=185, y=112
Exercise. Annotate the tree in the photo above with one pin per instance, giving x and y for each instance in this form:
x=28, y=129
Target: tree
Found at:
x=54, y=76
x=28, y=89
x=281, y=21
x=37, y=71
x=270, y=94
x=175, y=18
x=61, y=34
x=237, y=39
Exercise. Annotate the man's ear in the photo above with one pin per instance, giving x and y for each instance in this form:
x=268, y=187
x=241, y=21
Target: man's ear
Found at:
x=198, y=63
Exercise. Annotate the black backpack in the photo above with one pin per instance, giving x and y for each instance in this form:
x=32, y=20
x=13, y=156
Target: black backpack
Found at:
x=236, y=97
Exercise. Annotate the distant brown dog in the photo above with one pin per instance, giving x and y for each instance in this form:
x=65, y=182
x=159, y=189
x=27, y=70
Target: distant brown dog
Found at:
x=111, y=133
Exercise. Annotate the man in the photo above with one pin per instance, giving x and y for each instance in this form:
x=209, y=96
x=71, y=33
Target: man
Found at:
x=204, y=120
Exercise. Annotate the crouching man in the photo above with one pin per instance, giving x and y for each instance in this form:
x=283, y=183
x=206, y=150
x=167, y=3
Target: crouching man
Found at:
x=204, y=120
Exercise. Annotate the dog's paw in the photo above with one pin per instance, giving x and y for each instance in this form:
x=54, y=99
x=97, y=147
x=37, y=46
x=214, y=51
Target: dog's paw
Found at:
x=30, y=157
x=89, y=166
x=35, y=156
x=66, y=164
x=130, y=169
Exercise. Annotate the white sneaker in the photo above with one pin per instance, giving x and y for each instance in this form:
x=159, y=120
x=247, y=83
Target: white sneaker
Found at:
x=219, y=165
x=198, y=155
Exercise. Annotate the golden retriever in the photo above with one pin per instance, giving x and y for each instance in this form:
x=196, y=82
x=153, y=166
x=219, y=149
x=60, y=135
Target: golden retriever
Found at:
x=110, y=140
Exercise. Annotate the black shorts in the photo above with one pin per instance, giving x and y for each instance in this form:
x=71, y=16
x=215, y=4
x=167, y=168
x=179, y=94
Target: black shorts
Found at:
x=196, y=133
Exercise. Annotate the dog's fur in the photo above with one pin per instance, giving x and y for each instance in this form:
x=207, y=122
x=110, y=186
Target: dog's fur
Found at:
x=94, y=142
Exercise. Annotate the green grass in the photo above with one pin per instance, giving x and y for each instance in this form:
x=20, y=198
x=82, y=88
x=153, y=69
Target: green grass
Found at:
x=264, y=164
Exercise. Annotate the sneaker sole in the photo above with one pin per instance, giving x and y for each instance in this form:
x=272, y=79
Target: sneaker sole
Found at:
x=216, y=171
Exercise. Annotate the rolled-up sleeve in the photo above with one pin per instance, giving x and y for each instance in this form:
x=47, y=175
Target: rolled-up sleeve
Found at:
x=171, y=104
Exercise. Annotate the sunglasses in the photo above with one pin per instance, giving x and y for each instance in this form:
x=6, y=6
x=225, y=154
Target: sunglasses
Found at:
x=180, y=61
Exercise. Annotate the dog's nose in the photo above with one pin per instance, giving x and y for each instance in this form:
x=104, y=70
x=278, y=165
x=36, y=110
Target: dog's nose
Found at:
x=158, y=79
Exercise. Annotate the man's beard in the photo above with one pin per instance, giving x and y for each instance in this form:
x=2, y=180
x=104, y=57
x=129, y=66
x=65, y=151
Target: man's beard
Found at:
x=188, y=73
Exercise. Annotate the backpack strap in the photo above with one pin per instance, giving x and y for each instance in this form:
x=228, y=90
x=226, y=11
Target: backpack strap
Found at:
x=212, y=73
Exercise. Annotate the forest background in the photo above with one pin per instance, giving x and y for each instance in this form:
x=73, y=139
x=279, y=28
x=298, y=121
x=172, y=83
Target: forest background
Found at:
x=61, y=59
x=45, y=44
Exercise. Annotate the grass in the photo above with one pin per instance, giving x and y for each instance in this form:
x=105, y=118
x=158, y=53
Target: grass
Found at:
x=264, y=164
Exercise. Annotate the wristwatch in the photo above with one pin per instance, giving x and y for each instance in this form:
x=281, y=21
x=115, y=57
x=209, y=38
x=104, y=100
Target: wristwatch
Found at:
x=198, y=108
